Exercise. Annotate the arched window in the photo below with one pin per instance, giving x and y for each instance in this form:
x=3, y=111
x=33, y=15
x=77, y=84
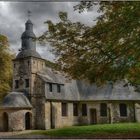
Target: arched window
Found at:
x=123, y=110
x=75, y=109
x=103, y=109
x=58, y=88
x=50, y=87
x=5, y=121
x=28, y=117
x=84, y=109
x=64, y=108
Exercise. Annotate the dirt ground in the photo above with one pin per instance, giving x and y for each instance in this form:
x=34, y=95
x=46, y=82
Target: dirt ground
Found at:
x=25, y=135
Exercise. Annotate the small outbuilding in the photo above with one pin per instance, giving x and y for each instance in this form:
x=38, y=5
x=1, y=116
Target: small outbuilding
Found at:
x=15, y=112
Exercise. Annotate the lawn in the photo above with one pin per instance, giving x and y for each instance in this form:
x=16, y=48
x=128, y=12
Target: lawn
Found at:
x=119, y=130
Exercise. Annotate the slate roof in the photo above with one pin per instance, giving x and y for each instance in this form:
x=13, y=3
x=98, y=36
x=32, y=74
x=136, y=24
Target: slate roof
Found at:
x=51, y=76
x=28, y=22
x=28, y=37
x=116, y=91
x=16, y=99
x=28, y=53
x=79, y=90
x=28, y=34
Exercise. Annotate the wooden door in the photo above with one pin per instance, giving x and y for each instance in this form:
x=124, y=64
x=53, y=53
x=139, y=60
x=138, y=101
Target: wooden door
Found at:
x=27, y=121
x=93, y=116
x=5, y=121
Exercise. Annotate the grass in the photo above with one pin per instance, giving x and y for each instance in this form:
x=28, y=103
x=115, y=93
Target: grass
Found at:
x=120, y=129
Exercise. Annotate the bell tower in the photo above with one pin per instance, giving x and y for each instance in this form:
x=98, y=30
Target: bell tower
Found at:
x=27, y=62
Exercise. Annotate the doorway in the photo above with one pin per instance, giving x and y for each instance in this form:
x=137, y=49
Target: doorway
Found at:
x=93, y=116
x=27, y=121
x=5, y=121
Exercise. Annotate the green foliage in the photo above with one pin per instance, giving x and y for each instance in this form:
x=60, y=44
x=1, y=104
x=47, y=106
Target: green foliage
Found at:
x=5, y=66
x=108, y=51
x=102, y=130
x=52, y=65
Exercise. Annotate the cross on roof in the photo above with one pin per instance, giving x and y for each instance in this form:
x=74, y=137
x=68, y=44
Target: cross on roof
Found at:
x=29, y=14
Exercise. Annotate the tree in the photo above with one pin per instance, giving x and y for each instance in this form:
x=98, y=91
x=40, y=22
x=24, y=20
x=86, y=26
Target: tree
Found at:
x=5, y=66
x=108, y=51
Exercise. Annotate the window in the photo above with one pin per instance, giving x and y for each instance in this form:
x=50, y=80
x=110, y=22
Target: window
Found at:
x=84, y=110
x=64, y=109
x=28, y=63
x=58, y=88
x=103, y=109
x=14, y=65
x=75, y=109
x=50, y=87
x=26, y=83
x=123, y=110
x=16, y=83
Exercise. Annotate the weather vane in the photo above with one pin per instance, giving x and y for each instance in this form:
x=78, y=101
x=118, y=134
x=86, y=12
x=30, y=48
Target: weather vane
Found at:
x=29, y=14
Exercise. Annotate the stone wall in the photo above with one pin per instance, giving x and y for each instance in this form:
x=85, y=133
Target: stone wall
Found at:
x=113, y=114
x=137, y=111
x=96, y=106
x=49, y=115
x=61, y=121
x=47, y=118
x=36, y=66
x=26, y=69
x=38, y=102
x=116, y=113
x=21, y=71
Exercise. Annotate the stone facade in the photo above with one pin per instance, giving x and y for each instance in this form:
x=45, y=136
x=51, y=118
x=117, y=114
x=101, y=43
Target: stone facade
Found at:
x=15, y=119
x=113, y=116
x=26, y=69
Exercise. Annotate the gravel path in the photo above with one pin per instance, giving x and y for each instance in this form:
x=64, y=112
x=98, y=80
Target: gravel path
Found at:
x=14, y=133
x=22, y=135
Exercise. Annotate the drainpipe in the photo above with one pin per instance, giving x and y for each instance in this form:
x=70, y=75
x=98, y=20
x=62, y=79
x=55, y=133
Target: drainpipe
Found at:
x=134, y=111
x=51, y=115
x=109, y=113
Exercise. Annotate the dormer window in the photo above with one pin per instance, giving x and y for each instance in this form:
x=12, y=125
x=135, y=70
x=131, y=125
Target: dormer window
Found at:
x=28, y=63
x=58, y=88
x=50, y=87
x=26, y=83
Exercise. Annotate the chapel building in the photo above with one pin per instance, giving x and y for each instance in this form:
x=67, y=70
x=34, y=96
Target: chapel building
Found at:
x=43, y=98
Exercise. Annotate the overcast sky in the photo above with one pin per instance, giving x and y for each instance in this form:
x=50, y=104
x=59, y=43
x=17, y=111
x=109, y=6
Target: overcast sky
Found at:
x=13, y=16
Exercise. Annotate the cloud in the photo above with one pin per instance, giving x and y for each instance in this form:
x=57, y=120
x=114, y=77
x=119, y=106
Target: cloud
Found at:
x=13, y=16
